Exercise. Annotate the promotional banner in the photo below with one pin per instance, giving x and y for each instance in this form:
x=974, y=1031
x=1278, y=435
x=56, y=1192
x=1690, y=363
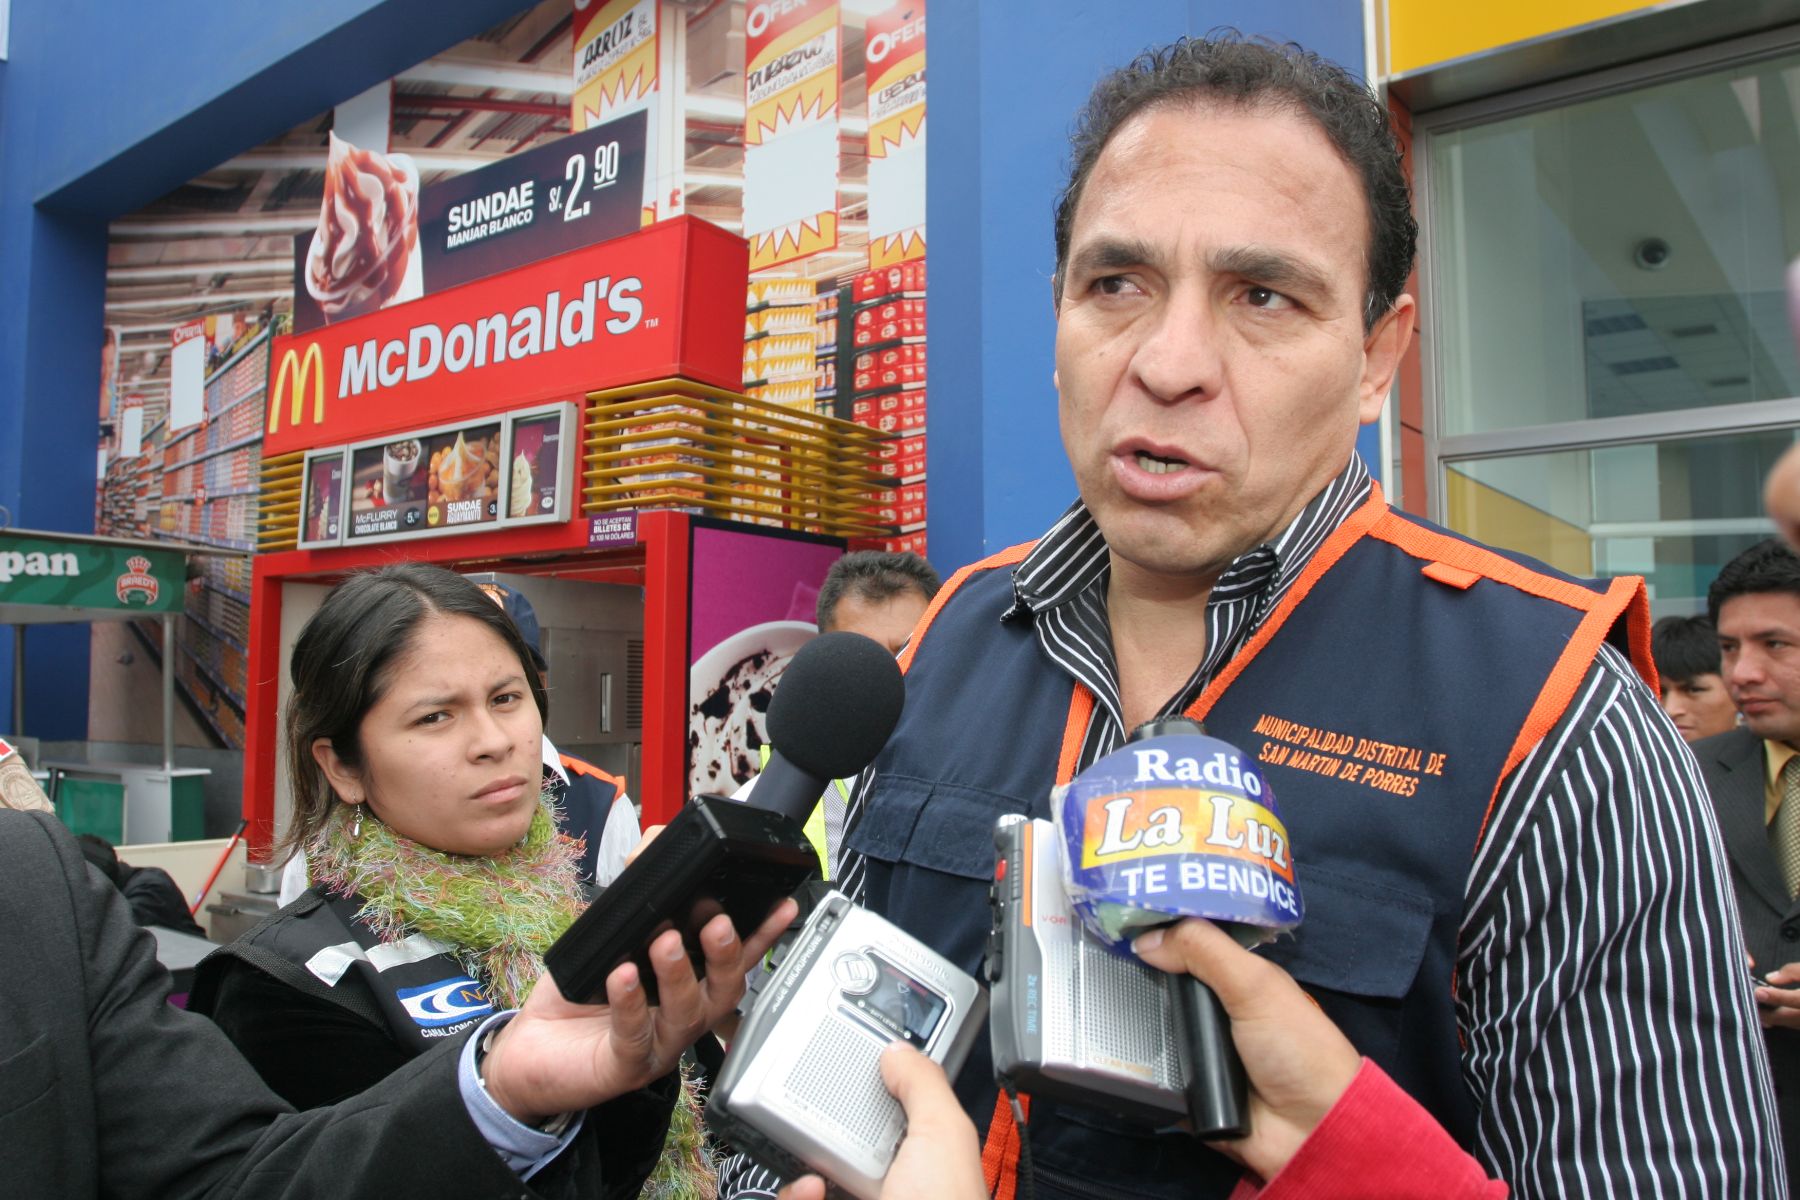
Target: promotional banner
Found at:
x=58, y=574
x=790, y=129
x=665, y=301
x=753, y=597
x=187, y=375
x=616, y=72
x=131, y=427
x=895, y=53
x=382, y=240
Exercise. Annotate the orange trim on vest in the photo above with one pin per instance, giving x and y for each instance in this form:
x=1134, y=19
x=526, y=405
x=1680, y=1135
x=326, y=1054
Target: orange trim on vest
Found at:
x=580, y=766
x=1625, y=598
x=1450, y=576
x=1006, y=558
x=1000, y=1156
x=1081, y=711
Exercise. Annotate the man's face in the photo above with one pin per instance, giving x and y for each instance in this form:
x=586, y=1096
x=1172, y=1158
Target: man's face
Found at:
x=1699, y=705
x=1210, y=353
x=1759, y=649
x=888, y=621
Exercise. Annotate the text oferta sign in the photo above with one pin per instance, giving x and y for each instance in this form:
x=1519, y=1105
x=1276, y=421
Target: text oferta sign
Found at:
x=662, y=302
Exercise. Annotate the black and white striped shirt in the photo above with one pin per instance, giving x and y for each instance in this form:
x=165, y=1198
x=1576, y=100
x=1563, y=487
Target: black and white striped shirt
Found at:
x=1610, y=1036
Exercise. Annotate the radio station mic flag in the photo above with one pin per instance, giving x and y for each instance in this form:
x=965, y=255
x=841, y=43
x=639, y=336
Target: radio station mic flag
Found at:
x=1176, y=824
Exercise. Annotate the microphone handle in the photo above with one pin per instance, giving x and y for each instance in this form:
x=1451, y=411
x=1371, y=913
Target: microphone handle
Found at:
x=1218, y=1092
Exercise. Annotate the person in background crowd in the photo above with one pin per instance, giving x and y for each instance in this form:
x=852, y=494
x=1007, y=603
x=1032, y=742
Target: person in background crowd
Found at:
x=1753, y=775
x=150, y=891
x=881, y=596
x=1232, y=251
x=439, y=878
x=106, y=1090
x=594, y=805
x=877, y=594
x=1686, y=650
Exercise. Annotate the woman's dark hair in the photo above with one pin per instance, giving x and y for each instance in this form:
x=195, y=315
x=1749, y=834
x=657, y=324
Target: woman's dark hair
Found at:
x=1684, y=648
x=340, y=668
x=1227, y=68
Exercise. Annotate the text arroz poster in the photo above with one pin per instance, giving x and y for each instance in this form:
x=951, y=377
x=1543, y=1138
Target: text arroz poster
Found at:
x=790, y=130
x=382, y=240
x=616, y=58
x=895, y=52
x=753, y=597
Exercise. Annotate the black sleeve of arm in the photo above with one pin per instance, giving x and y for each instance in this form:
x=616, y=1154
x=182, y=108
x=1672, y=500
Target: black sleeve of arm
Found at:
x=309, y=1051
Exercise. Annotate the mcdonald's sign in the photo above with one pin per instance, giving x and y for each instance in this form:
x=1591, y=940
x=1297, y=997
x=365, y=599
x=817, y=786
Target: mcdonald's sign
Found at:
x=296, y=369
x=665, y=301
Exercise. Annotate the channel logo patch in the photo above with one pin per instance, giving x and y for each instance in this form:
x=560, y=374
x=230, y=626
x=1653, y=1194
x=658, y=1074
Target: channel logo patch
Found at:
x=445, y=1002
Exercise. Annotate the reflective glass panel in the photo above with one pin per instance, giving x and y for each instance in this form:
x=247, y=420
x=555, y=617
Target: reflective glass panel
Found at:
x=1673, y=512
x=1620, y=256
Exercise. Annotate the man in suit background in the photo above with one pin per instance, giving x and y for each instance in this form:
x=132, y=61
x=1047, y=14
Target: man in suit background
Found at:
x=1754, y=775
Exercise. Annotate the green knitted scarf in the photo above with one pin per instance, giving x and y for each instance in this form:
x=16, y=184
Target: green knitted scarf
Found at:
x=498, y=915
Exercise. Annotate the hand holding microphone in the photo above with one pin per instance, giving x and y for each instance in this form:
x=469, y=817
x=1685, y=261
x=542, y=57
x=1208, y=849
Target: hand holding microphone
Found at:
x=1176, y=824
x=1299, y=1063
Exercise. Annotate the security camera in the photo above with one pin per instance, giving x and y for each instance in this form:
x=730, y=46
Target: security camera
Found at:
x=1652, y=254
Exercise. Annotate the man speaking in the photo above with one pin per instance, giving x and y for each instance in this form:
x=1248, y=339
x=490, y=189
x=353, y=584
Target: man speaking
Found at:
x=1515, y=903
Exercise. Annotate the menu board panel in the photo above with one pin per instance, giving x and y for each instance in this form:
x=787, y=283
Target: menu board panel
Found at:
x=537, y=465
x=434, y=481
x=322, y=499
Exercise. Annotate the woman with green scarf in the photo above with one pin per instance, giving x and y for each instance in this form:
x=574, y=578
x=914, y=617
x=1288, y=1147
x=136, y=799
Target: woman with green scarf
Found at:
x=438, y=877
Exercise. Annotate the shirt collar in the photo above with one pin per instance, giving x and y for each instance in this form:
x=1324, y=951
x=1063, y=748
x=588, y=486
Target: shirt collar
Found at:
x=553, y=760
x=1072, y=556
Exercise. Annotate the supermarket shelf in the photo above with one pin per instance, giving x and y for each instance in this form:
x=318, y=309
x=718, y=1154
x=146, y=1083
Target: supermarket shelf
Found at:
x=252, y=394
x=888, y=299
x=252, y=440
x=240, y=597
x=154, y=646
x=224, y=688
x=222, y=494
x=231, y=362
x=228, y=639
x=201, y=539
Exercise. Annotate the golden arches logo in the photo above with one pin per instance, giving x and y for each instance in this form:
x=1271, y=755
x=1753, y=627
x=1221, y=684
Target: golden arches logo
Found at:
x=297, y=369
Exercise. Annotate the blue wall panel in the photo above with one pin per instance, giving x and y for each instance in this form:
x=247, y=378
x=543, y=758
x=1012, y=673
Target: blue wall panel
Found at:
x=1007, y=78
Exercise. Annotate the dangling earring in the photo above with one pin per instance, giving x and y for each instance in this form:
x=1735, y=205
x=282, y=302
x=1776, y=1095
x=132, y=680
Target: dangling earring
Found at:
x=356, y=824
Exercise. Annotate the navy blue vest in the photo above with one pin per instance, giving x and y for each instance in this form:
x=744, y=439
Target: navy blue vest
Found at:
x=1417, y=669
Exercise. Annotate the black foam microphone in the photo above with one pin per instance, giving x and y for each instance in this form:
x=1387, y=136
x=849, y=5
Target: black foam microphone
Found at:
x=833, y=710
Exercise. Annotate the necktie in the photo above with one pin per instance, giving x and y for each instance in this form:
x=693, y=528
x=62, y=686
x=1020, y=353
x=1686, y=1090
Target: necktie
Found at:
x=1784, y=833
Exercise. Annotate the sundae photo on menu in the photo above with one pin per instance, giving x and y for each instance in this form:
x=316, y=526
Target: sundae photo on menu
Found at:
x=364, y=253
x=426, y=483
x=532, y=473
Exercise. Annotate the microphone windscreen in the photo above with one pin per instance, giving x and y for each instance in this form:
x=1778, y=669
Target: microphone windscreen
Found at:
x=836, y=705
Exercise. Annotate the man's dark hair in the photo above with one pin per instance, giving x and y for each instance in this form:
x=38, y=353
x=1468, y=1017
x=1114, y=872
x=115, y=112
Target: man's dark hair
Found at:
x=98, y=851
x=874, y=575
x=1228, y=68
x=1684, y=648
x=1768, y=566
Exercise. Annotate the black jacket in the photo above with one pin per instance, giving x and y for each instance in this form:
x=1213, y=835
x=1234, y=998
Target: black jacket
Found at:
x=105, y=1089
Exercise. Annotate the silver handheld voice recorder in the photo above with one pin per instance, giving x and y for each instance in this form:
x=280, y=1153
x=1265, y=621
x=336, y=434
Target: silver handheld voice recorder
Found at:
x=1072, y=1020
x=801, y=1087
